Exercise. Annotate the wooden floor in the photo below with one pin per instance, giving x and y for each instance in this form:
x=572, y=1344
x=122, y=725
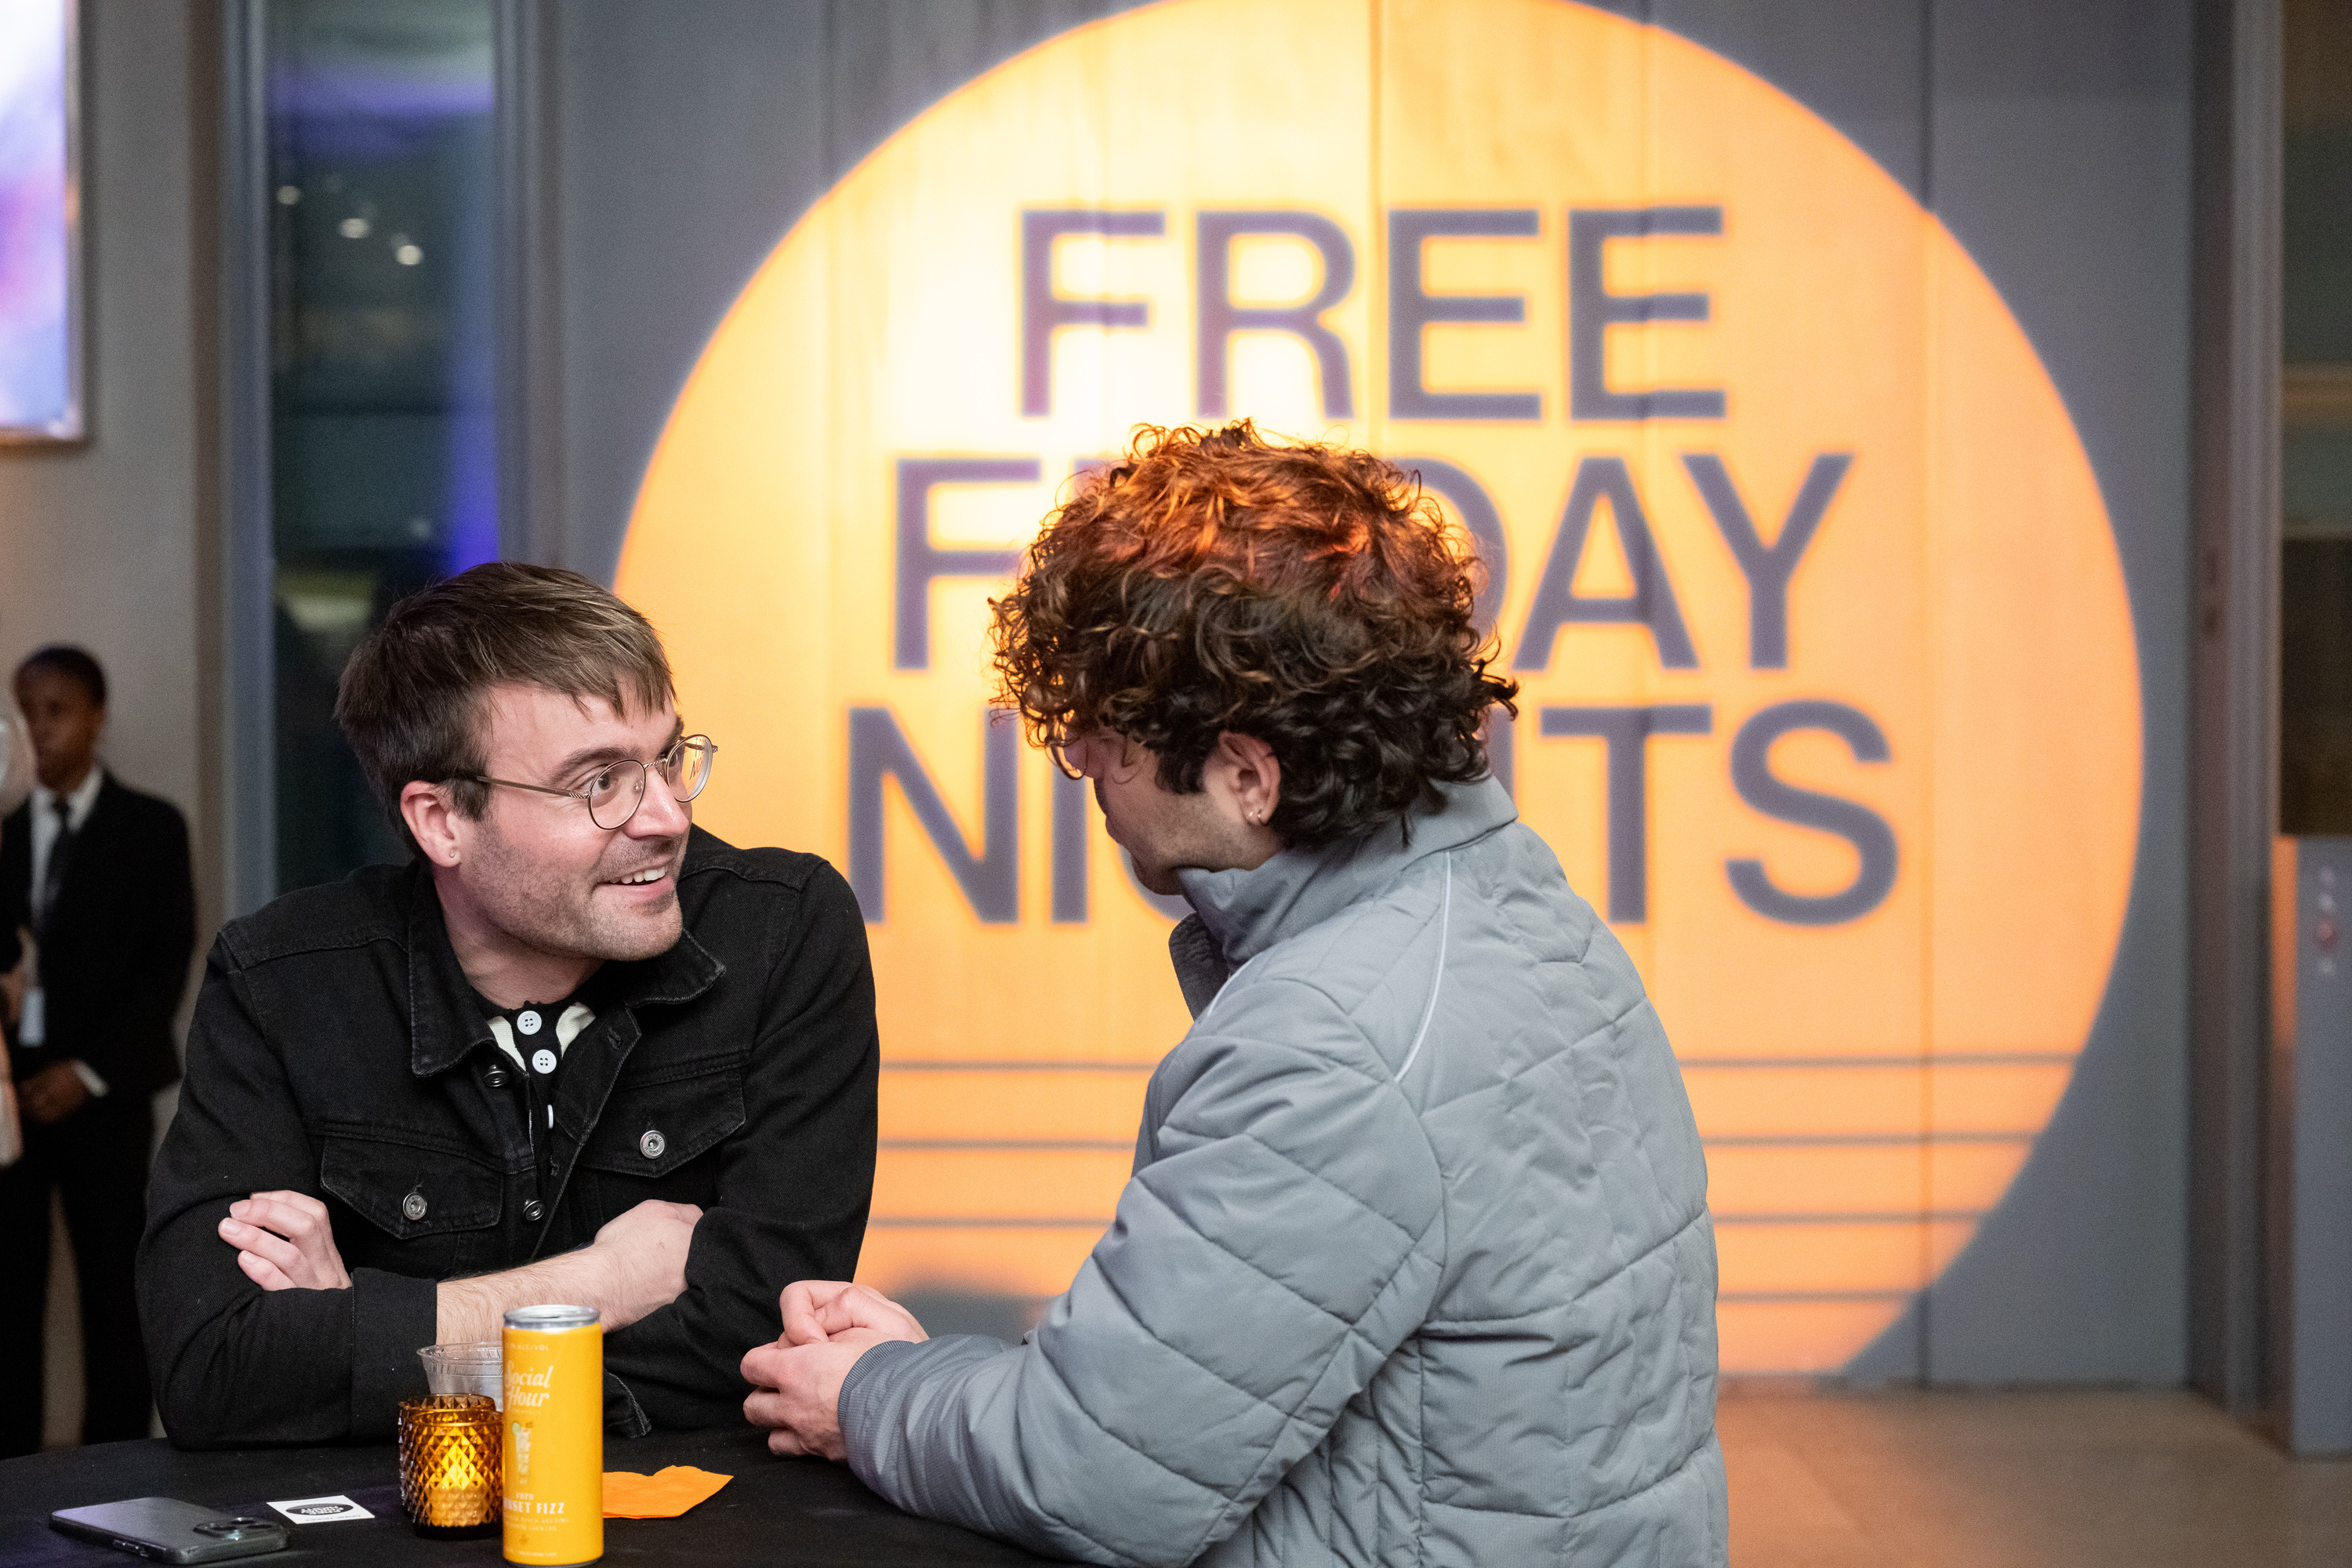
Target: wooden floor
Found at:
x=2020, y=1480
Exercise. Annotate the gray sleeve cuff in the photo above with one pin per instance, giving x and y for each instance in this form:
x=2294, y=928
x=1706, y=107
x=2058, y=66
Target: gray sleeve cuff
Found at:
x=864, y=1393
x=394, y=1316
x=880, y=1449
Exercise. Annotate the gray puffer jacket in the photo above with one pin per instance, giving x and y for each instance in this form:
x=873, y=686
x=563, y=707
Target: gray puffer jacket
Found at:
x=1414, y=1268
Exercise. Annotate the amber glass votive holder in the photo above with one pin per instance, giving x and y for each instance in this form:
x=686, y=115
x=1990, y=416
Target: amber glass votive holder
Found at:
x=449, y=1463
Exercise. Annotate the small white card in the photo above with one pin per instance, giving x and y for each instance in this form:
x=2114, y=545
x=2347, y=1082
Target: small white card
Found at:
x=320, y=1510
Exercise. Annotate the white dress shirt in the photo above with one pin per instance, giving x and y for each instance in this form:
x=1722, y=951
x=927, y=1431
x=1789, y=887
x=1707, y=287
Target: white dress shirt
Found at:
x=33, y=1027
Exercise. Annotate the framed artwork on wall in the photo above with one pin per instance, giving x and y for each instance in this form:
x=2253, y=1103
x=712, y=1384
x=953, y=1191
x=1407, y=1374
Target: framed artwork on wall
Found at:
x=40, y=223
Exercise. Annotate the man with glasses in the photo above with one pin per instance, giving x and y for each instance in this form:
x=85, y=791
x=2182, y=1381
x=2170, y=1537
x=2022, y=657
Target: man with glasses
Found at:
x=576, y=1051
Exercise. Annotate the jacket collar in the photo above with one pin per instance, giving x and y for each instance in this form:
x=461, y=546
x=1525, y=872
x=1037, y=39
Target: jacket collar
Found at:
x=1245, y=912
x=445, y=1023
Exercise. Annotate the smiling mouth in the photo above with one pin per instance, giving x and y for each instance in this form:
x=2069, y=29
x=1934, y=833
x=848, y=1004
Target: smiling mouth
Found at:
x=639, y=878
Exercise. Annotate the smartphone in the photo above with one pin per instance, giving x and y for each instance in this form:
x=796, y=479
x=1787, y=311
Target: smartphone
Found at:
x=170, y=1530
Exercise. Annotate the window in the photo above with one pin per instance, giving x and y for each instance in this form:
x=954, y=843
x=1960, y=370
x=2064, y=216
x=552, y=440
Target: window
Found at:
x=384, y=456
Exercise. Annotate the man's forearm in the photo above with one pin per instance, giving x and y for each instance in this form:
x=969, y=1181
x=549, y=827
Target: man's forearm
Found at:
x=476, y=1309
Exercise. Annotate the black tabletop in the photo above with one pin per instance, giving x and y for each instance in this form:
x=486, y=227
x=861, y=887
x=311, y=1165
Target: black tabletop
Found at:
x=774, y=1513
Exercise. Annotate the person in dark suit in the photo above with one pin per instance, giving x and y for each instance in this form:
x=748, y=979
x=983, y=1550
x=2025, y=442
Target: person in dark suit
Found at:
x=98, y=905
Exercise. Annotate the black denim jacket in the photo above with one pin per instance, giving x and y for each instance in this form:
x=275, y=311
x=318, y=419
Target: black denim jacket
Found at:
x=337, y=1050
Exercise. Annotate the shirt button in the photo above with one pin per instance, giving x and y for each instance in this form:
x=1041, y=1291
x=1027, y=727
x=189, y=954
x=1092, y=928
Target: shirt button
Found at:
x=526, y=1021
x=543, y=1062
x=534, y=1211
x=652, y=1144
x=414, y=1206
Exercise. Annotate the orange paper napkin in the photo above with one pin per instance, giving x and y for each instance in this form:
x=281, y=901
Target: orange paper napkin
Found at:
x=665, y=1494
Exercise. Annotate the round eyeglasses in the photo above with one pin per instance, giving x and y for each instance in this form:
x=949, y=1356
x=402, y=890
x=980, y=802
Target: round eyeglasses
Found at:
x=618, y=788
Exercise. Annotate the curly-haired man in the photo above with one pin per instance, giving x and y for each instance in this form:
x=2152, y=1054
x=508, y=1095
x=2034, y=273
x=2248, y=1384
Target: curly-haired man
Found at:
x=1415, y=1263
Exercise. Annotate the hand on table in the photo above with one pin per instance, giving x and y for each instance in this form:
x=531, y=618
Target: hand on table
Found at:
x=796, y=1381
x=816, y=1310
x=285, y=1242
x=52, y=1094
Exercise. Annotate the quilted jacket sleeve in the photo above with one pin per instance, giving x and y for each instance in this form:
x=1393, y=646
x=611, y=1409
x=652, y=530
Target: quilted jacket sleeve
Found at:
x=1285, y=1240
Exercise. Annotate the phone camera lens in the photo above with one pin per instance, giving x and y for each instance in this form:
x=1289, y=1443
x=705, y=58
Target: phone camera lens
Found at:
x=238, y=1528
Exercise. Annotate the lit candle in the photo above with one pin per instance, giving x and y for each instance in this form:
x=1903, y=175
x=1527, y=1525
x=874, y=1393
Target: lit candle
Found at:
x=449, y=1463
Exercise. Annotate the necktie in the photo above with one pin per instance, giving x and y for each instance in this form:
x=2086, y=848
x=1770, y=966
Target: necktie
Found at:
x=53, y=875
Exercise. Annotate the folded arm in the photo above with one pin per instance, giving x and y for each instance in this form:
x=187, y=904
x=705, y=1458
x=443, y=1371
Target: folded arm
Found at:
x=234, y=1362
x=254, y=1330
x=794, y=1184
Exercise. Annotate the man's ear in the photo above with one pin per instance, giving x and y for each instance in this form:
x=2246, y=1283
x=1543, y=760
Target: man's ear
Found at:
x=432, y=821
x=1249, y=773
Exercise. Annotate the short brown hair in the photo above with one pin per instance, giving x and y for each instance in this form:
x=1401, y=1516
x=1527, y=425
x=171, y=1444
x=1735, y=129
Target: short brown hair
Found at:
x=411, y=697
x=1306, y=594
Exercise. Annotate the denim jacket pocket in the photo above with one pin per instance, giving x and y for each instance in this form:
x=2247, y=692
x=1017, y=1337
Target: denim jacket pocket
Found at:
x=655, y=1124
x=409, y=1192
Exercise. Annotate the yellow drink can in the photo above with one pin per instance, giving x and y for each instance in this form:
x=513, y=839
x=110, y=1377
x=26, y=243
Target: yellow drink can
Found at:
x=554, y=1453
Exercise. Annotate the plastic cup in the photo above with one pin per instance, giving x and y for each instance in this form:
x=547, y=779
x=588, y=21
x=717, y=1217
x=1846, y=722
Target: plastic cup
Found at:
x=473, y=1368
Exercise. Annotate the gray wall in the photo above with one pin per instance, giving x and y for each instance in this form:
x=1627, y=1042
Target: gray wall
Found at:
x=673, y=159
x=2052, y=140
x=2058, y=151
x=106, y=544
x=2056, y=148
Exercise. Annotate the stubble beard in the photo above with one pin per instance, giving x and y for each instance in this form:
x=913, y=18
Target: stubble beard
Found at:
x=1161, y=879
x=1184, y=832
x=558, y=913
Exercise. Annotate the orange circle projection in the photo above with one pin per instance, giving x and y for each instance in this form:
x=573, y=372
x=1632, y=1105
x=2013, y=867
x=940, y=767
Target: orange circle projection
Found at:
x=1830, y=693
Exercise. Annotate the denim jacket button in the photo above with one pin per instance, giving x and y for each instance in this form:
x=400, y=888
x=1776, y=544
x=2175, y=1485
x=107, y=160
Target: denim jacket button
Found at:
x=534, y=1211
x=652, y=1144
x=494, y=1078
x=413, y=1205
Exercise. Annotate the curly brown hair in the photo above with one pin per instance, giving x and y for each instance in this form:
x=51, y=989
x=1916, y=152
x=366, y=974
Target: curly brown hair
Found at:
x=1306, y=594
